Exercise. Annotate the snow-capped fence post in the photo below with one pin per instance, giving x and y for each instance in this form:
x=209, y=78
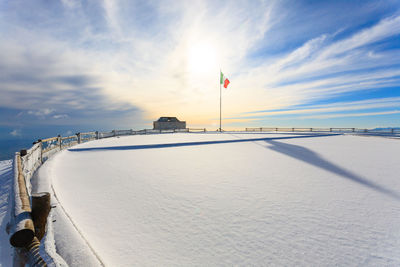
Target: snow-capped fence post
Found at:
x=22, y=152
x=40, y=211
x=41, y=149
x=59, y=141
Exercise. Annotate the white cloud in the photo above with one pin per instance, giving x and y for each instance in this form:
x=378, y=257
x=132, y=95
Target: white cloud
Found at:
x=15, y=132
x=60, y=116
x=41, y=112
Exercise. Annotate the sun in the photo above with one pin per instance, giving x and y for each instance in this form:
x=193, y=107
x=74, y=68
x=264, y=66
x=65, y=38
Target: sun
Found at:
x=202, y=57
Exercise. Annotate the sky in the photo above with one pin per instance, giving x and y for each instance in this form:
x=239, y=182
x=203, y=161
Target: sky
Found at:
x=72, y=66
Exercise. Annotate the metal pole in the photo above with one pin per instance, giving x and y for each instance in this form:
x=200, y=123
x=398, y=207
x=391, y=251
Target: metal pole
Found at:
x=220, y=105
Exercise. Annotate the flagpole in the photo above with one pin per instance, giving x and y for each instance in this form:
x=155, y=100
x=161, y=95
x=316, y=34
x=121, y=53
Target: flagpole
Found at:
x=220, y=103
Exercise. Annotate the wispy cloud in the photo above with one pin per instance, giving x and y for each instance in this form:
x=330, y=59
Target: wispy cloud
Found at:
x=131, y=61
x=41, y=112
x=392, y=102
x=329, y=116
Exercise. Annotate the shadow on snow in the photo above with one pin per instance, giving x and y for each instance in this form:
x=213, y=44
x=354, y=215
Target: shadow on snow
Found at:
x=310, y=157
x=294, y=151
x=153, y=146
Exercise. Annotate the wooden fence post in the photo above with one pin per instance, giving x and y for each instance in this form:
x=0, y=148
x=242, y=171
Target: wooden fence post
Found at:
x=41, y=151
x=78, y=135
x=59, y=141
x=40, y=211
x=23, y=152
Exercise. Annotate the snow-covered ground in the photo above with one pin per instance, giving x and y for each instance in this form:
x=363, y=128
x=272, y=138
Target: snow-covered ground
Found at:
x=224, y=199
x=6, y=174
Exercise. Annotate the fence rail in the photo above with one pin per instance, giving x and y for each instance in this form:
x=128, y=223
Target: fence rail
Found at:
x=341, y=130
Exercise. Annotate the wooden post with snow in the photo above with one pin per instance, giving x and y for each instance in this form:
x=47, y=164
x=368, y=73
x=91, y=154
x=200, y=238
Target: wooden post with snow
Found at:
x=59, y=141
x=22, y=229
x=22, y=225
x=40, y=211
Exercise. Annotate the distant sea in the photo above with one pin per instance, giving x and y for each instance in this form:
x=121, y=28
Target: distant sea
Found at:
x=9, y=147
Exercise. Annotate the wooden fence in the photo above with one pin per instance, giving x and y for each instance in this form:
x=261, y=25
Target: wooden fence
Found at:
x=340, y=130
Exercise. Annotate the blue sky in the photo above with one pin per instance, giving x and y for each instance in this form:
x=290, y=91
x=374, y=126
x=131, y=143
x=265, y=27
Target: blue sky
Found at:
x=69, y=66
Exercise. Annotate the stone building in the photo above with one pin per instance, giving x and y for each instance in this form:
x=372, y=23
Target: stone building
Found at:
x=168, y=123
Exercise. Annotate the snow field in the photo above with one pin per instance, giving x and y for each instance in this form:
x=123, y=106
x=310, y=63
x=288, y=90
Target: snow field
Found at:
x=304, y=201
x=6, y=175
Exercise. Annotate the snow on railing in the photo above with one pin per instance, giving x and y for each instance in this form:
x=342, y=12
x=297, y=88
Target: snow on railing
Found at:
x=68, y=141
x=276, y=129
x=341, y=130
x=85, y=137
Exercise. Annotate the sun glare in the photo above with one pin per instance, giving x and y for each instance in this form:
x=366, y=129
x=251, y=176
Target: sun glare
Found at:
x=202, y=58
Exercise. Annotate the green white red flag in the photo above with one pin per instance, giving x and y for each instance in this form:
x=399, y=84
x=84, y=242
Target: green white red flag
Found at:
x=224, y=80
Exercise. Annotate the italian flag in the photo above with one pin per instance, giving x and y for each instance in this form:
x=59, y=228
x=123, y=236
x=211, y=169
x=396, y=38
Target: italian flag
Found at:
x=224, y=80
